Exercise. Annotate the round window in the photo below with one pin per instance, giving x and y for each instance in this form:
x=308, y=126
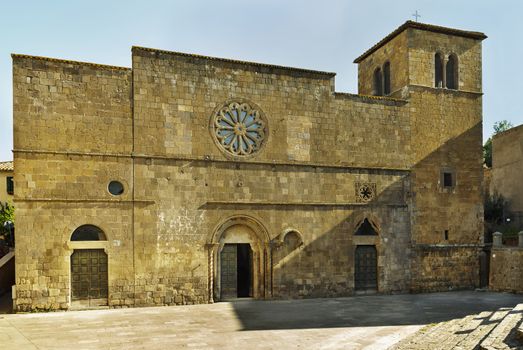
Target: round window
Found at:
x=239, y=129
x=115, y=188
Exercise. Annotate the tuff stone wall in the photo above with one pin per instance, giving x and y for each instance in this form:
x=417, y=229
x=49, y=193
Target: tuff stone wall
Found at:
x=71, y=107
x=396, y=52
x=506, y=270
x=189, y=89
x=79, y=126
x=442, y=267
x=446, y=136
x=424, y=45
x=446, y=133
x=66, y=116
x=507, y=165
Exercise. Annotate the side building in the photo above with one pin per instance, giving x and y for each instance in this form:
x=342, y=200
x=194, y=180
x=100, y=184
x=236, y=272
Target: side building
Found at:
x=6, y=182
x=507, y=167
x=192, y=179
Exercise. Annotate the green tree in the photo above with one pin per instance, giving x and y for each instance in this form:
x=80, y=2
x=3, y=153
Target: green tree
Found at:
x=495, y=206
x=499, y=126
x=7, y=213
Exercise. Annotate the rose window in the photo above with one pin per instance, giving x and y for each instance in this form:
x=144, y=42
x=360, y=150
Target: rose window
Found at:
x=239, y=129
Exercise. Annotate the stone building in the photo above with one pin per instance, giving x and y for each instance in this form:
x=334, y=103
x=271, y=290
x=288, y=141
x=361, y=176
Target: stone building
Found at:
x=6, y=182
x=192, y=179
x=507, y=167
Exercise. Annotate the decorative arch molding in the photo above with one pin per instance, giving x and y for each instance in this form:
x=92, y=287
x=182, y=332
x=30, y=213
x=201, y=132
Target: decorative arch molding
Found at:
x=372, y=219
x=279, y=240
x=244, y=229
x=247, y=220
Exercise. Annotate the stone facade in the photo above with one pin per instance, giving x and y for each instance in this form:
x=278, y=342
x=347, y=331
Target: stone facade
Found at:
x=507, y=166
x=304, y=169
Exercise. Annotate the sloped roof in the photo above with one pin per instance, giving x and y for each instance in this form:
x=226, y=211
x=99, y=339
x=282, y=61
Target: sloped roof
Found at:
x=421, y=26
x=6, y=166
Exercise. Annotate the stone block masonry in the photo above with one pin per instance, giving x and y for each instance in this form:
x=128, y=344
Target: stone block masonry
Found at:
x=214, y=155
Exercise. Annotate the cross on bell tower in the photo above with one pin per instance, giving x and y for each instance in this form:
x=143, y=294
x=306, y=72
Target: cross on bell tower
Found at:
x=416, y=15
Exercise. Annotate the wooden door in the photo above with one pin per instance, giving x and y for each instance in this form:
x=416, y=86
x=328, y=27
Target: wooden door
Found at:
x=366, y=268
x=89, y=276
x=229, y=271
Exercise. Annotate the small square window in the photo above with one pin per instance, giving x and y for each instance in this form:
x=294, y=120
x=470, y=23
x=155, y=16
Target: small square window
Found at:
x=447, y=178
x=10, y=185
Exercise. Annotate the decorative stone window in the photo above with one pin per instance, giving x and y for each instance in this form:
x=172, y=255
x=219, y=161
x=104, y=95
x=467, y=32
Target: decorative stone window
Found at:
x=446, y=71
x=115, y=188
x=239, y=129
x=365, y=191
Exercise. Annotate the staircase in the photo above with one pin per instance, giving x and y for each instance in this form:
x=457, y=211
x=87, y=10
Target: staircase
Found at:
x=498, y=330
x=7, y=272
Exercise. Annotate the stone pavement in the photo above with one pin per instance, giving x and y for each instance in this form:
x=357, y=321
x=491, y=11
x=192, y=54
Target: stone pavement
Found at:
x=488, y=330
x=363, y=322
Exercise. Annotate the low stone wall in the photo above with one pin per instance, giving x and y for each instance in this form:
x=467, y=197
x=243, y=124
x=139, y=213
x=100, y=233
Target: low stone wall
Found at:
x=506, y=269
x=437, y=268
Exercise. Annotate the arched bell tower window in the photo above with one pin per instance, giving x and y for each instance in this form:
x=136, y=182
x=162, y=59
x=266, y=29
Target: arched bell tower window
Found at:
x=438, y=70
x=88, y=233
x=378, y=82
x=451, y=72
x=386, y=78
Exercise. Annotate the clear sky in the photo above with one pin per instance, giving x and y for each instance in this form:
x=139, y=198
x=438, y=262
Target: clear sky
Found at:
x=323, y=35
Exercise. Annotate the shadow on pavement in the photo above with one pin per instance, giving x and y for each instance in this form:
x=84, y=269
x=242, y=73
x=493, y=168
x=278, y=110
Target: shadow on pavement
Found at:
x=368, y=311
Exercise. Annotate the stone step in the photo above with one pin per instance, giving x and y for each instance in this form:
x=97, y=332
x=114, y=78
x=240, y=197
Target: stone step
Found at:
x=434, y=336
x=519, y=332
x=503, y=336
x=476, y=330
x=487, y=322
x=460, y=334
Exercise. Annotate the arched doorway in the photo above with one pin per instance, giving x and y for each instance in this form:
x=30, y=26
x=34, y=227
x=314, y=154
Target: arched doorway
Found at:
x=89, y=272
x=239, y=260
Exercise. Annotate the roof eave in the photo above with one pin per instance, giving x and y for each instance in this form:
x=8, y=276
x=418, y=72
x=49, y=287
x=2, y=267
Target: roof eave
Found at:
x=420, y=26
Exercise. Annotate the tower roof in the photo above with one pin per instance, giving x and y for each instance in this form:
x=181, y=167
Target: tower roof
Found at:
x=421, y=26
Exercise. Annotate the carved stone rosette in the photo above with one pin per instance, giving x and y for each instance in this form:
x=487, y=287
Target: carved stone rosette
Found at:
x=365, y=191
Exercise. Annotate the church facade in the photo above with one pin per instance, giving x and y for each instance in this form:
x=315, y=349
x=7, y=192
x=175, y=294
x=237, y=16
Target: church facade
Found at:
x=191, y=179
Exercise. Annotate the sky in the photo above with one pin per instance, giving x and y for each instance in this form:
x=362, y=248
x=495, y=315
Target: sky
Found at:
x=323, y=35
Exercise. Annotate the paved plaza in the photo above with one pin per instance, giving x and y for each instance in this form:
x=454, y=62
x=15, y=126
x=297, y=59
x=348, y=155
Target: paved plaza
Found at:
x=362, y=322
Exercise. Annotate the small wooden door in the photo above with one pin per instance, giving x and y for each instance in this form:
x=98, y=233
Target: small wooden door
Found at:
x=89, y=277
x=229, y=271
x=365, y=268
